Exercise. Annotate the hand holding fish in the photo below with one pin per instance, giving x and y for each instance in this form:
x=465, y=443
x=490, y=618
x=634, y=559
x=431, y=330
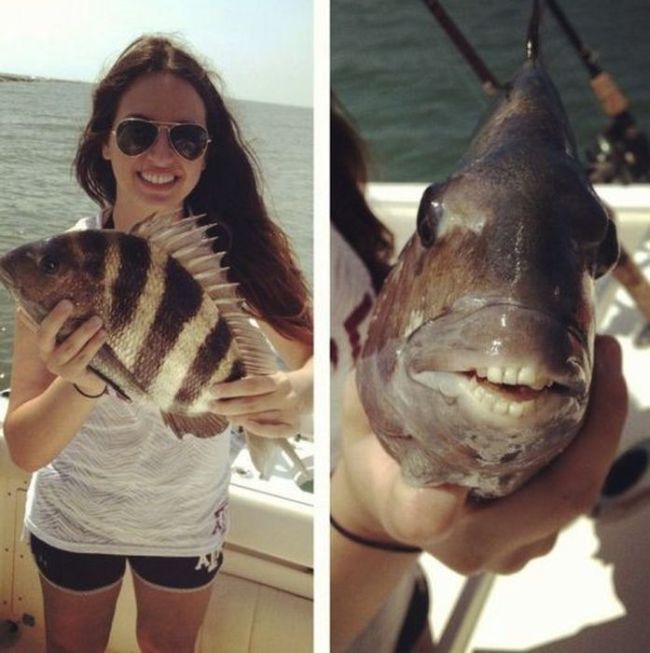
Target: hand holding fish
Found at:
x=271, y=406
x=69, y=358
x=371, y=498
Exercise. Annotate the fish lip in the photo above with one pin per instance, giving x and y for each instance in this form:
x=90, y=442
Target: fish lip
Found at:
x=573, y=379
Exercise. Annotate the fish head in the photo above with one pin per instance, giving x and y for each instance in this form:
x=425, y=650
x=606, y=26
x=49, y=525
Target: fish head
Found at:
x=68, y=266
x=478, y=361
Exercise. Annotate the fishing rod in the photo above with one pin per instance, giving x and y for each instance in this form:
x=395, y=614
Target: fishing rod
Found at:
x=489, y=82
x=626, y=272
x=622, y=150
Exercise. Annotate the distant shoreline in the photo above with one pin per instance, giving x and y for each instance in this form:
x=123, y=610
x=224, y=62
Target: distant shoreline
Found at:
x=8, y=77
x=11, y=77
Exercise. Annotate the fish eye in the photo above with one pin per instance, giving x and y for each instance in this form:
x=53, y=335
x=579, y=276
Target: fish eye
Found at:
x=429, y=216
x=49, y=264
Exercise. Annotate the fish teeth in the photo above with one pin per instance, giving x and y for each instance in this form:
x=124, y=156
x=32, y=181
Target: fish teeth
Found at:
x=527, y=375
x=502, y=406
x=495, y=374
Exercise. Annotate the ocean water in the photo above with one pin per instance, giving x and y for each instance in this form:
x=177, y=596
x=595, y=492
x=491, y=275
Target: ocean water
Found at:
x=40, y=123
x=416, y=101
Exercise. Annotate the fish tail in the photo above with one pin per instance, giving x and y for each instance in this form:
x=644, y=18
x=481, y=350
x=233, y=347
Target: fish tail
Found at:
x=532, y=38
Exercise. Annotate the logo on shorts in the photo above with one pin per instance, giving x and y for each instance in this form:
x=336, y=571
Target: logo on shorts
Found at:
x=208, y=560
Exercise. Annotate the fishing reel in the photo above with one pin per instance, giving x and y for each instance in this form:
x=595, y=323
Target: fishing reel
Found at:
x=621, y=154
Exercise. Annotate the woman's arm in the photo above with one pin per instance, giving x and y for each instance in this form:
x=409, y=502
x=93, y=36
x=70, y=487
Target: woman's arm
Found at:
x=370, y=499
x=45, y=410
x=277, y=405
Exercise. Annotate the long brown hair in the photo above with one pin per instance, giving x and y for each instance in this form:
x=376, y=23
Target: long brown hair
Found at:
x=260, y=255
x=350, y=212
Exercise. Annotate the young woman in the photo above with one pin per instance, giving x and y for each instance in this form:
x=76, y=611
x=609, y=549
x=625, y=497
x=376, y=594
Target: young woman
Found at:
x=111, y=481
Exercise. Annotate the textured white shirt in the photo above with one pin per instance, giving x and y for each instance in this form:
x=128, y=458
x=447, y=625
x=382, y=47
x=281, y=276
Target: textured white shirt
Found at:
x=126, y=484
x=351, y=306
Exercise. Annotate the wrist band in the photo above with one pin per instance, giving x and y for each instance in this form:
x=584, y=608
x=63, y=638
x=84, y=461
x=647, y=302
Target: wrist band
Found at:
x=85, y=394
x=393, y=547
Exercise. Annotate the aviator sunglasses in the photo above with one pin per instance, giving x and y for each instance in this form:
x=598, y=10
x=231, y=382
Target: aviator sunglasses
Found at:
x=136, y=135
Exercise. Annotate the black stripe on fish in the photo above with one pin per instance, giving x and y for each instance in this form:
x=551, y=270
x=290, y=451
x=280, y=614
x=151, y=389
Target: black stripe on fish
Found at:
x=207, y=359
x=94, y=246
x=135, y=260
x=181, y=301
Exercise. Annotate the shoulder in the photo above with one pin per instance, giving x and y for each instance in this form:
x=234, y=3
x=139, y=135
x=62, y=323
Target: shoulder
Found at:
x=90, y=222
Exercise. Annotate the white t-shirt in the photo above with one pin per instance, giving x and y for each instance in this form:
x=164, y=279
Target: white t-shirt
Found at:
x=352, y=301
x=126, y=484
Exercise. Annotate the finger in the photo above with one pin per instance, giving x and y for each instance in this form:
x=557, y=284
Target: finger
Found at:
x=90, y=349
x=568, y=486
x=422, y=515
x=51, y=325
x=269, y=430
x=516, y=561
x=268, y=416
x=250, y=405
x=76, y=341
x=249, y=385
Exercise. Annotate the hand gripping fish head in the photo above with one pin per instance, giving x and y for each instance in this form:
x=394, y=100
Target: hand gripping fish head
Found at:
x=478, y=362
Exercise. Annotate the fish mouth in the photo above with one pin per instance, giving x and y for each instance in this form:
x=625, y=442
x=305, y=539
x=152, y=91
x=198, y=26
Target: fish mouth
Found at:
x=503, y=361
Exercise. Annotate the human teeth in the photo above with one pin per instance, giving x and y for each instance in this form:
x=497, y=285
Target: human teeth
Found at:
x=157, y=179
x=539, y=383
x=515, y=409
x=510, y=375
x=515, y=376
x=495, y=374
x=527, y=376
x=501, y=406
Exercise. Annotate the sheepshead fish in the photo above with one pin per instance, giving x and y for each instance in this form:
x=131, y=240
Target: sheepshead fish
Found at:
x=174, y=323
x=478, y=362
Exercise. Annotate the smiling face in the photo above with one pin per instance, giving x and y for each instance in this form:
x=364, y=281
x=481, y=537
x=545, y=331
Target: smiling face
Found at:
x=159, y=179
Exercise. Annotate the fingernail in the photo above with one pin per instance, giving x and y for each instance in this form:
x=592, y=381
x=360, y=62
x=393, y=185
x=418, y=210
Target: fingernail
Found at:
x=66, y=305
x=95, y=322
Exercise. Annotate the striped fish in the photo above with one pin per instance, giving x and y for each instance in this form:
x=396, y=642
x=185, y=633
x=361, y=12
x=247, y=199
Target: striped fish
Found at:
x=174, y=322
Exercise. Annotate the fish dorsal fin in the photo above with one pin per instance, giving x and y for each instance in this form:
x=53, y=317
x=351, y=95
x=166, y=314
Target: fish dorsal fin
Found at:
x=185, y=240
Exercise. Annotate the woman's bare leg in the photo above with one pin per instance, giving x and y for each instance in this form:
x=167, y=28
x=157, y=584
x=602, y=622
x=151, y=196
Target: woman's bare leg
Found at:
x=78, y=622
x=169, y=620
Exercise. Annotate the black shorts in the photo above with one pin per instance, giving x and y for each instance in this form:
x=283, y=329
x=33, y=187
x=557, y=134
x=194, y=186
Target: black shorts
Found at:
x=87, y=572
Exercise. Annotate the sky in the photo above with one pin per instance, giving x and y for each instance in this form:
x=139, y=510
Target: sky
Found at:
x=262, y=49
